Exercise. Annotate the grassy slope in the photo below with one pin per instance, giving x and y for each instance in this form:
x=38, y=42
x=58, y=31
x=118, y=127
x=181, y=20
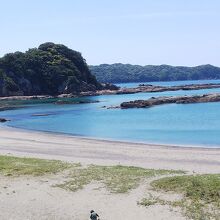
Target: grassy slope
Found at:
x=117, y=179
x=14, y=166
x=201, y=195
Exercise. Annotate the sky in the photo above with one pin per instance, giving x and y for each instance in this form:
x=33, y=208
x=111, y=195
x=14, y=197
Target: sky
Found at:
x=175, y=32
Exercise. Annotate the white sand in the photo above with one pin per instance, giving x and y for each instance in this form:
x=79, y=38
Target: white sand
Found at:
x=24, y=198
x=36, y=199
x=90, y=151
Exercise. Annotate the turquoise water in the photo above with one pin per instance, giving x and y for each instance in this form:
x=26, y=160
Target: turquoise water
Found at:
x=191, y=124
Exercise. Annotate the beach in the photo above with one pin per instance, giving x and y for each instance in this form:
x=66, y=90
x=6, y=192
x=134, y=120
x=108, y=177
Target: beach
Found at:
x=47, y=145
x=27, y=197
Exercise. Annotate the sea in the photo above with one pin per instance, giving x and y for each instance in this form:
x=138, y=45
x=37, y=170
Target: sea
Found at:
x=190, y=125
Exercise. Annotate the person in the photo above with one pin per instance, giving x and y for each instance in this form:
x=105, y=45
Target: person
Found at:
x=94, y=215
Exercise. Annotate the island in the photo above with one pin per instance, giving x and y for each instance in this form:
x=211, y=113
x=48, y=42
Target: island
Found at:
x=50, y=69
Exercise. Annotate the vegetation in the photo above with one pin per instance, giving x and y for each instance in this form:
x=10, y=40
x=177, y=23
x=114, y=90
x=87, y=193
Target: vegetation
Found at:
x=15, y=166
x=201, y=195
x=120, y=73
x=117, y=179
x=50, y=69
x=151, y=200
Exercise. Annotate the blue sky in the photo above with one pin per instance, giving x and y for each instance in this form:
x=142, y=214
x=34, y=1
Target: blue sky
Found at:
x=176, y=32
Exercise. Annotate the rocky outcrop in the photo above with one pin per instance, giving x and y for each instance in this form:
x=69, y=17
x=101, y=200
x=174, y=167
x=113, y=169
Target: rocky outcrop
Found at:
x=170, y=99
x=150, y=89
x=43, y=114
x=10, y=103
x=5, y=107
x=23, y=98
x=2, y=120
x=72, y=102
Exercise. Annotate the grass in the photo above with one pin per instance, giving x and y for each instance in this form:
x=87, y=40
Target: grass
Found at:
x=151, y=200
x=199, y=187
x=117, y=179
x=201, y=195
x=15, y=166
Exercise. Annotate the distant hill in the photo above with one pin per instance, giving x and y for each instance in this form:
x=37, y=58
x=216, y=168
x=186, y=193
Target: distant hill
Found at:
x=50, y=69
x=119, y=73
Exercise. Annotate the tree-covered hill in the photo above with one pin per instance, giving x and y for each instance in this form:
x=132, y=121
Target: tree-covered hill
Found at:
x=119, y=73
x=50, y=69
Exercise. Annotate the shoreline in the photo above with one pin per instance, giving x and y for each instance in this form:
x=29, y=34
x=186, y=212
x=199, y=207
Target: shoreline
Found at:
x=113, y=141
x=142, y=88
x=46, y=145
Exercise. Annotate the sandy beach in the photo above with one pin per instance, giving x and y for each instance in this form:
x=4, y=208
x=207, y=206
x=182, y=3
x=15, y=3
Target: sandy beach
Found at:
x=29, y=197
x=90, y=151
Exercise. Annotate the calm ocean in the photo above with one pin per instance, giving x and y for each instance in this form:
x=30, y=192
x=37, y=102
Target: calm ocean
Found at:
x=189, y=124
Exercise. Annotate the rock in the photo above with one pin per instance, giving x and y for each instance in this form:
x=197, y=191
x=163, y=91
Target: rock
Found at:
x=2, y=120
x=43, y=114
x=167, y=100
x=109, y=89
x=145, y=84
x=23, y=98
x=72, y=102
x=67, y=96
x=10, y=107
x=149, y=89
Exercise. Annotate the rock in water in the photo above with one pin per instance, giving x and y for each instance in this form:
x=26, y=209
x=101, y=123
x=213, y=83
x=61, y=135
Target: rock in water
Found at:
x=2, y=120
x=170, y=99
